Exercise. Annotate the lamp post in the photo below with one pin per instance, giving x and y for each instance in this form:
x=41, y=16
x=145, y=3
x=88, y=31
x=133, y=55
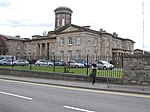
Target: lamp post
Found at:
x=107, y=51
x=87, y=60
x=143, y=22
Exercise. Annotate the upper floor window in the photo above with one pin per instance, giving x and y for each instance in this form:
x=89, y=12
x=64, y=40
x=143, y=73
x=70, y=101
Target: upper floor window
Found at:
x=108, y=44
x=95, y=41
x=25, y=46
x=34, y=48
x=63, y=22
x=119, y=45
x=18, y=46
x=115, y=45
x=29, y=46
x=58, y=22
x=69, y=40
x=61, y=55
x=61, y=41
x=78, y=40
x=53, y=44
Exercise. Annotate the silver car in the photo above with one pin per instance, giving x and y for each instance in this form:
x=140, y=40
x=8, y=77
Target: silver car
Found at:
x=43, y=62
x=104, y=65
x=74, y=64
x=21, y=62
x=7, y=62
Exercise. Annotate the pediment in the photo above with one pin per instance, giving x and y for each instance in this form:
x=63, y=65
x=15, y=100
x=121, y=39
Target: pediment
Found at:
x=70, y=29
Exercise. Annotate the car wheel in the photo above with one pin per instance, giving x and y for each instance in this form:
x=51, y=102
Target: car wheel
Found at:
x=111, y=68
x=15, y=64
x=77, y=66
x=105, y=68
x=50, y=65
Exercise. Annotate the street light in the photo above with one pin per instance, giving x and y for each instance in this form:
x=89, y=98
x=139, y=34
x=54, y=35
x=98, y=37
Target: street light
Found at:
x=87, y=60
x=143, y=22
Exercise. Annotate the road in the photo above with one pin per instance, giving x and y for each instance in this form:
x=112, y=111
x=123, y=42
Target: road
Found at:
x=16, y=96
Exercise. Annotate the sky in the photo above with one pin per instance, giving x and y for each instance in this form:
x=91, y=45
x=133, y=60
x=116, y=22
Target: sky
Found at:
x=34, y=17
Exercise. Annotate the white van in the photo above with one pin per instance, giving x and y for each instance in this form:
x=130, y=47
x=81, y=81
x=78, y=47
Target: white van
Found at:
x=7, y=57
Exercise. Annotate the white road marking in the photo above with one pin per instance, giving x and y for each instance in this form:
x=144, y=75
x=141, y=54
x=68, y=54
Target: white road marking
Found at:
x=15, y=95
x=79, y=109
x=79, y=89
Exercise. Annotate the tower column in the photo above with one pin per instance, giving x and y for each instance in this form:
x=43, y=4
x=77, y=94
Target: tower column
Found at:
x=62, y=17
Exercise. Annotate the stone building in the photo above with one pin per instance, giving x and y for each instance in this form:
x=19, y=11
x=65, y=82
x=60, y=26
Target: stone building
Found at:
x=71, y=41
x=15, y=45
x=141, y=52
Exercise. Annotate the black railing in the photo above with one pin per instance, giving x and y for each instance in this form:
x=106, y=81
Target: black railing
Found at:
x=68, y=67
x=132, y=70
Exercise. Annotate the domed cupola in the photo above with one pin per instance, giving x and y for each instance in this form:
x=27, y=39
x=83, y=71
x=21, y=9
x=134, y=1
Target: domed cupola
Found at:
x=62, y=17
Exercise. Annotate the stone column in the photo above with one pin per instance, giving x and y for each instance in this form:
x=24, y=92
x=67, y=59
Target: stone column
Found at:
x=36, y=50
x=40, y=49
x=50, y=50
x=46, y=50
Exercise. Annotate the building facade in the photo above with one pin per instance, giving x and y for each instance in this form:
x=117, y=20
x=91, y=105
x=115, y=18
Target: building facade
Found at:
x=70, y=41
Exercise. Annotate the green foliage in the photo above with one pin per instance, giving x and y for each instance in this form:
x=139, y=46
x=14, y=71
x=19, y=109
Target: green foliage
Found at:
x=3, y=45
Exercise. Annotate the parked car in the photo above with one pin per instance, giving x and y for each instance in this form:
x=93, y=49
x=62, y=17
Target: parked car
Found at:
x=21, y=62
x=84, y=62
x=7, y=62
x=7, y=57
x=2, y=61
x=74, y=64
x=104, y=65
x=100, y=65
x=59, y=63
x=43, y=62
x=50, y=63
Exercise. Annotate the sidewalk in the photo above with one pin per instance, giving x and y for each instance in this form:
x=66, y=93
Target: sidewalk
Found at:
x=77, y=84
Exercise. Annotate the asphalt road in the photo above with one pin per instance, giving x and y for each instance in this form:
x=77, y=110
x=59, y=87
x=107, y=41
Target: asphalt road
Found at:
x=32, y=97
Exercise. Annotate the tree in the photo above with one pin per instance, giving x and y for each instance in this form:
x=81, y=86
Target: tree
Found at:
x=3, y=45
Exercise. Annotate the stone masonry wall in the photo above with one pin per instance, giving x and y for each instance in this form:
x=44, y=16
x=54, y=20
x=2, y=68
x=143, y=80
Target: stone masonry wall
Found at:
x=136, y=70
x=48, y=75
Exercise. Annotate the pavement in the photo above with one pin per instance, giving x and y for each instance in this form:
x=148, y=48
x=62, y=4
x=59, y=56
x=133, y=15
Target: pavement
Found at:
x=79, y=84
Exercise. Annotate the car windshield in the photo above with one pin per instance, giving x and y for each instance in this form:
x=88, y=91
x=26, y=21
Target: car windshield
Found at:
x=104, y=62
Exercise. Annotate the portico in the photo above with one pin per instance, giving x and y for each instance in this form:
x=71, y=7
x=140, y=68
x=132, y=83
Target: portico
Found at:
x=43, y=50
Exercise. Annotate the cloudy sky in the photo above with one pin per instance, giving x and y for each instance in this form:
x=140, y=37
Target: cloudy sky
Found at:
x=33, y=17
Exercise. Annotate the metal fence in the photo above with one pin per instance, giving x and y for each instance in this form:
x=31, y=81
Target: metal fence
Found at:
x=115, y=77
x=86, y=70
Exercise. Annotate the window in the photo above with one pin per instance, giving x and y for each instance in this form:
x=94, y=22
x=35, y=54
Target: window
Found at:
x=62, y=42
x=61, y=55
x=29, y=46
x=18, y=46
x=34, y=49
x=78, y=54
x=58, y=22
x=53, y=44
x=25, y=46
x=69, y=40
x=118, y=45
x=18, y=54
x=63, y=22
x=107, y=44
x=78, y=40
x=69, y=55
x=95, y=41
x=115, y=45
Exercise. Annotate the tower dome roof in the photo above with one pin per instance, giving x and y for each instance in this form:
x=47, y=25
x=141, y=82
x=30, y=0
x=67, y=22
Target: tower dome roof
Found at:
x=62, y=8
